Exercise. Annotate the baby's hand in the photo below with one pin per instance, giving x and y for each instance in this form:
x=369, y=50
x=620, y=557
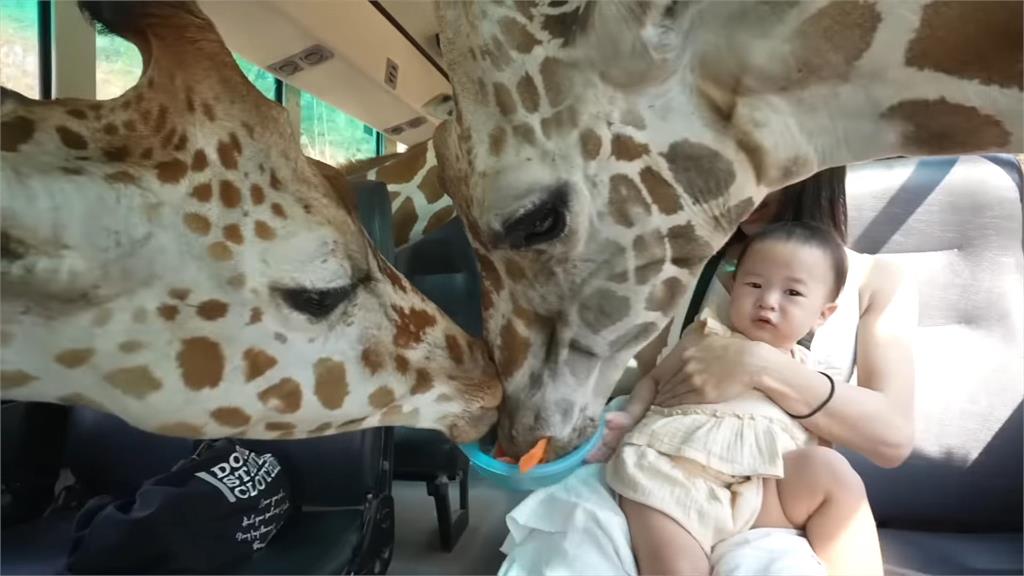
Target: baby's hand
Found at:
x=616, y=426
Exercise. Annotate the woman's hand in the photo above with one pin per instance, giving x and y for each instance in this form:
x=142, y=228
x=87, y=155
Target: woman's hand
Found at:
x=704, y=369
x=616, y=426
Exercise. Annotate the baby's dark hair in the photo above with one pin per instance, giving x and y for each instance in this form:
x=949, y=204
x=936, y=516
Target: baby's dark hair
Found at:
x=806, y=234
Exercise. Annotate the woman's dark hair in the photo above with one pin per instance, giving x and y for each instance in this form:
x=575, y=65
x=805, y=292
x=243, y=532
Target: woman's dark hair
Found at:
x=804, y=234
x=819, y=199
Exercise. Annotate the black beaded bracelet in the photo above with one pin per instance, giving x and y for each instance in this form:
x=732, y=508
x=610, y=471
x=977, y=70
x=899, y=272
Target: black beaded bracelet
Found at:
x=831, y=392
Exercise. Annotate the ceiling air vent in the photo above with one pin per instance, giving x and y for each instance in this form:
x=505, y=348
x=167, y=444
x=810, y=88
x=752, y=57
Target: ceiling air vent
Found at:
x=306, y=58
x=411, y=124
x=391, y=74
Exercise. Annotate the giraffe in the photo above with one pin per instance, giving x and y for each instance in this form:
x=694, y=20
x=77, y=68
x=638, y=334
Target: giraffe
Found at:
x=602, y=151
x=419, y=203
x=172, y=258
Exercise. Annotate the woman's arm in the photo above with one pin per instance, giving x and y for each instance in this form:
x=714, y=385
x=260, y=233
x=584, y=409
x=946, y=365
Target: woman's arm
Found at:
x=875, y=418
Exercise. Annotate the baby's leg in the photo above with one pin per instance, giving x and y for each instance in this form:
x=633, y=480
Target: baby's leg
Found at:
x=661, y=545
x=823, y=495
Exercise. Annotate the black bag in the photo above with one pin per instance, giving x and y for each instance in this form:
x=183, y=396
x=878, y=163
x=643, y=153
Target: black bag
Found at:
x=213, y=510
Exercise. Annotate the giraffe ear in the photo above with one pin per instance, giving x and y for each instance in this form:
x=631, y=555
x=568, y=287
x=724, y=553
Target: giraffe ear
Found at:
x=440, y=107
x=634, y=44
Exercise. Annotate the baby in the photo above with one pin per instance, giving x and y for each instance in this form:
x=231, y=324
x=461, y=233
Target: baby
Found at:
x=691, y=476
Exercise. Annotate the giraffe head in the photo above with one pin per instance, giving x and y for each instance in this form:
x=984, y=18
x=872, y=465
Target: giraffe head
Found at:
x=602, y=151
x=170, y=256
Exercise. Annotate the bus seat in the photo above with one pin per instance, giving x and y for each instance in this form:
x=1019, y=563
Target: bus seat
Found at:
x=954, y=225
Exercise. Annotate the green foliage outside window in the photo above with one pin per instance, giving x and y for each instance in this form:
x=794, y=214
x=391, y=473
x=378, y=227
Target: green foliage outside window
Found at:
x=118, y=66
x=19, y=46
x=331, y=136
x=260, y=78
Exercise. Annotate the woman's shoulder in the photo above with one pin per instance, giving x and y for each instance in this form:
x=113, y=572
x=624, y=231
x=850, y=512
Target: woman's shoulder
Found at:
x=882, y=279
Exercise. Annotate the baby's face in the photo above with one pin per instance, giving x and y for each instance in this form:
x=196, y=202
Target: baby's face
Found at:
x=782, y=291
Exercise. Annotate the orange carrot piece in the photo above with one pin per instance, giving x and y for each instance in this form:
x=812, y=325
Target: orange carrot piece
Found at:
x=534, y=456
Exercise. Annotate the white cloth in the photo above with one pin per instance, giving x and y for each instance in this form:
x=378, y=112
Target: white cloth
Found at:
x=576, y=528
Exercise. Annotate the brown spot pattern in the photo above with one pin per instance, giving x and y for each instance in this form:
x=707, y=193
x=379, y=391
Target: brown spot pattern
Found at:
x=525, y=133
x=496, y=141
x=11, y=379
x=513, y=351
x=649, y=254
x=15, y=132
x=331, y=383
x=704, y=174
x=208, y=112
x=74, y=357
x=230, y=195
x=404, y=168
x=278, y=211
x=233, y=233
x=227, y=154
x=373, y=360
x=171, y=171
x=411, y=326
x=590, y=144
x=168, y=312
x=212, y=309
x=257, y=363
x=134, y=381
x=626, y=149
x=517, y=36
x=111, y=129
x=529, y=96
x=401, y=364
x=201, y=362
x=936, y=127
x=395, y=415
x=381, y=398
x=626, y=203
x=196, y=223
x=665, y=296
x=130, y=346
x=257, y=195
x=664, y=196
x=553, y=76
x=504, y=99
x=561, y=121
x=102, y=317
x=829, y=43
x=116, y=153
x=973, y=40
x=255, y=315
x=77, y=114
x=284, y=397
x=320, y=429
x=451, y=342
x=264, y=231
x=688, y=250
x=71, y=139
x=275, y=182
x=219, y=251
x=602, y=309
x=424, y=382
x=231, y=417
x=203, y=192
x=199, y=161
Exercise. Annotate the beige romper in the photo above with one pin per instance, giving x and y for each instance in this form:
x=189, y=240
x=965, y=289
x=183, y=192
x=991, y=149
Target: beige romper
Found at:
x=702, y=465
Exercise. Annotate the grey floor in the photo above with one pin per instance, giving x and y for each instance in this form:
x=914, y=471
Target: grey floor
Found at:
x=417, y=549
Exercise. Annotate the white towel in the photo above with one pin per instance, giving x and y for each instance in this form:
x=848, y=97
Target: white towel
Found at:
x=576, y=527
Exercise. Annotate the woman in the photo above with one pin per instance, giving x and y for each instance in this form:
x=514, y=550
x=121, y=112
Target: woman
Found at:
x=870, y=332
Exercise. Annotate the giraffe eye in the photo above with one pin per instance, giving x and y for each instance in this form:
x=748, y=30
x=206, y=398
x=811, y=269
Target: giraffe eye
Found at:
x=540, y=224
x=317, y=304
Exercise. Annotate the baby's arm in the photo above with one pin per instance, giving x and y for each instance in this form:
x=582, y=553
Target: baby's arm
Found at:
x=618, y=424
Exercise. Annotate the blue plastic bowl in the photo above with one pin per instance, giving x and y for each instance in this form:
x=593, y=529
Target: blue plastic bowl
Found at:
x=508, y=475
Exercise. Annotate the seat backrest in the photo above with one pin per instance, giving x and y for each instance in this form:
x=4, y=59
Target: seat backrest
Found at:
x=954, y=225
